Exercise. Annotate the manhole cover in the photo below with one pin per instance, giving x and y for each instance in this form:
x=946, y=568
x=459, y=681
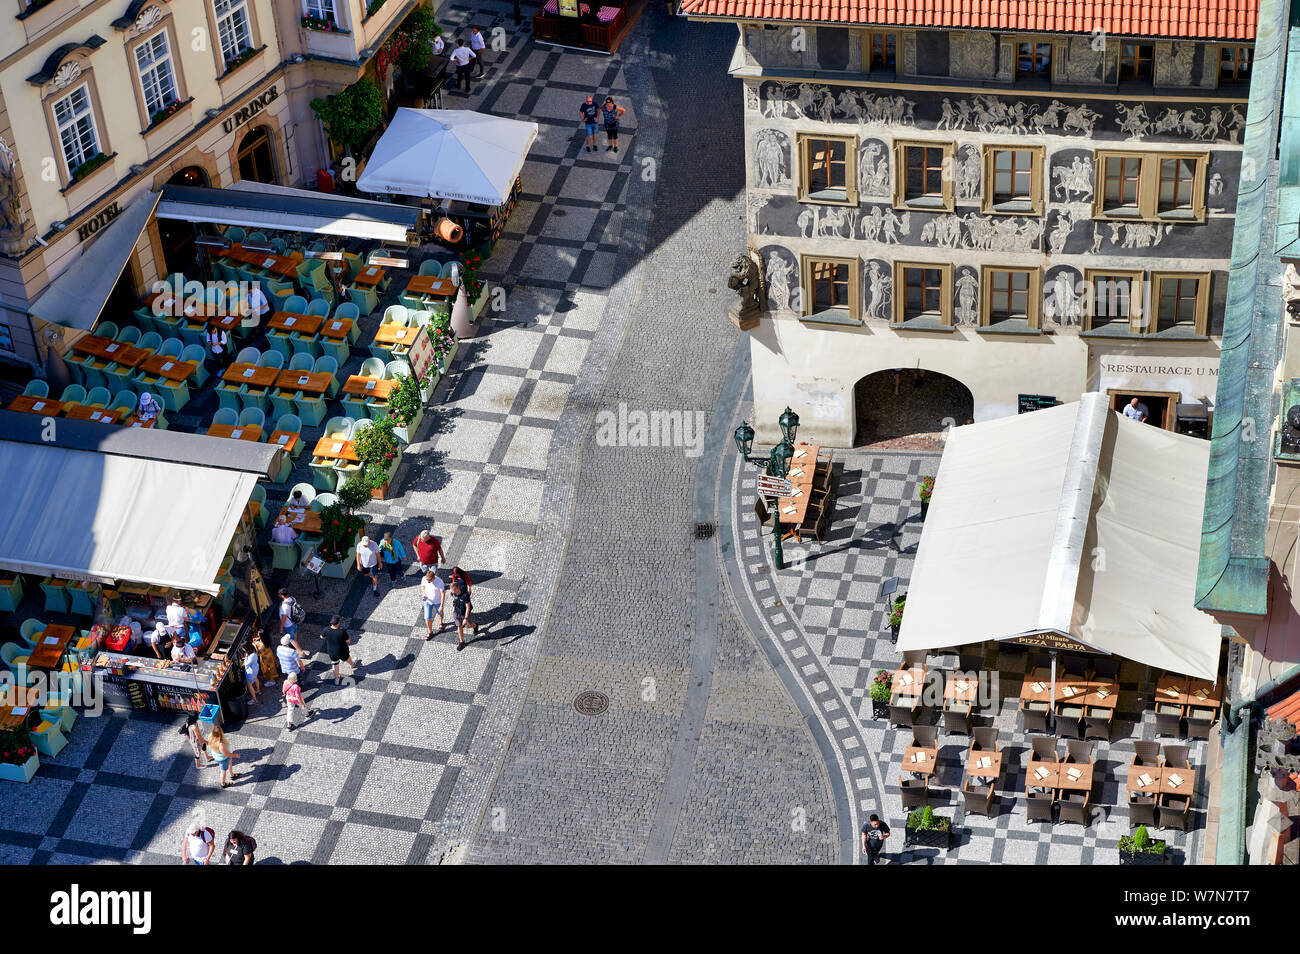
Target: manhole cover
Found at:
x=705, y=531
x=591, y=702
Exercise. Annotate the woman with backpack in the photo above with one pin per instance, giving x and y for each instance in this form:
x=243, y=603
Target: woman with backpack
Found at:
x=462, y=606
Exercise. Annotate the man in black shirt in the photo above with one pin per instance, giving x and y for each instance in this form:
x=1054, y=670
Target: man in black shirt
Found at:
x=590, y=113
x=874, y=833
x=336, y=647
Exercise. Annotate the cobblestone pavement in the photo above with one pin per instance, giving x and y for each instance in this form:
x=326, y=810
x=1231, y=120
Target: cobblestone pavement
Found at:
x=701, y=756
x=825, y=619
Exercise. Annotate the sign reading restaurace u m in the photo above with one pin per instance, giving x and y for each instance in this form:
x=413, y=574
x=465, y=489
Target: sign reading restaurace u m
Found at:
x=251, y=109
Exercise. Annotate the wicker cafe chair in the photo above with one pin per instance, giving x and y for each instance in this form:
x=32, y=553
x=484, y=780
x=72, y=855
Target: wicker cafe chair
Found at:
x=1173, y=812
x=1142, y=811
x=977, y=794
x=1038, y=806
x=1147, y=753
x=915, y=791
x=1074, y=807
x=925, y=736
x=1044, y=749
x=1033, y=717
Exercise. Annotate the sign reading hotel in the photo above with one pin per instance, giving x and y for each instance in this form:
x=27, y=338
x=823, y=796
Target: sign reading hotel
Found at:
x=93, y=225
x=568, y=8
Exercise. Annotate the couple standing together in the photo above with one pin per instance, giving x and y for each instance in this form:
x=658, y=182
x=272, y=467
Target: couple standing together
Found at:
x=593, y=116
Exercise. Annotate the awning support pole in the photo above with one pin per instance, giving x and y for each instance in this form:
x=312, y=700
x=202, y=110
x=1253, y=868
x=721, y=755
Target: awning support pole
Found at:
x=1051, y=699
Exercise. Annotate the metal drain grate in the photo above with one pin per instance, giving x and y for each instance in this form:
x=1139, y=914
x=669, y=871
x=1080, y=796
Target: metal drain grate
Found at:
x=591, y=702
x=705, y=531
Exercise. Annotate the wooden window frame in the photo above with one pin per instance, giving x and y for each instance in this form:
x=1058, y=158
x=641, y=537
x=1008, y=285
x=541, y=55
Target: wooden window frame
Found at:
x=802, y=141
x=1045, y=74
x=901, y=201
x=1136, y=60
x=900, y=292
x=854, y=306
x=988, y=203
x=1202, y=307
x=868, y=48
x=1235, y=52
x=1033, y=295
x=1148, y=205
x=1135, y=276
x=167, y=26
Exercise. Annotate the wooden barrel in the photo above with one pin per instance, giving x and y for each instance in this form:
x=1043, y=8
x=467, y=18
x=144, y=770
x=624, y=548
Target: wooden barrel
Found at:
x=448, y=231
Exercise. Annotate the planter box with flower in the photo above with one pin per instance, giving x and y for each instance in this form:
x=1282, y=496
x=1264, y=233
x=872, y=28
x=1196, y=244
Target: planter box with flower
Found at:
x=445, y=345
x=242, y=57
x=923, y=493
x=18, y=758
x=87, y=167
x=380, y=454
x=168, y=111
x=475, y=291
x=341, y=529
x=925, y=829
x=324, y=26
x=896, y=614
x=1140, y=848
x=881, y=690
x=406, y=405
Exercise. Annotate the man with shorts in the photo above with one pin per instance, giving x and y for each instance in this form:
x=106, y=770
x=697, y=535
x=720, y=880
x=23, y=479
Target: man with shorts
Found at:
x=368, y=563
x=590, y=113
x=287, y=626
x=336, y=647
x=431, y=593
x=428, y=551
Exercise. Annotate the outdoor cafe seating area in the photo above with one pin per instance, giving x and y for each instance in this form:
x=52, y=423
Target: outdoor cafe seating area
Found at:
x=808, y=509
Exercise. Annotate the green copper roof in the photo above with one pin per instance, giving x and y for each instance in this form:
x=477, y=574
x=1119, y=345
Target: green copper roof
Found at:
x=1233, y=573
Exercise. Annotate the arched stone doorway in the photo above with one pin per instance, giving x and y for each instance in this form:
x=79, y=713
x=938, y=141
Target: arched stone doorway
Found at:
x=255, y=158
x=916, y=416
x=177, y=237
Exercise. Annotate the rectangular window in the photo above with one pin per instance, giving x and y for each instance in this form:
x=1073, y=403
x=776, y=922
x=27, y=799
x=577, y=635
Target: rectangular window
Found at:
x=831, y=289
x=6, y=340
x=153, y=62
x=1180, y=301
x=1150, y=186
x=919, y=175
x=1135, y=61
x=1013, y=179
x=1113, y=301
x=880, y=50
x=1034, y=59
x=828, y=169
x=75, y=122
x=922, y=292
x=233, y=27
x=1234, y=64
x=1010, y=298
x=321, y=10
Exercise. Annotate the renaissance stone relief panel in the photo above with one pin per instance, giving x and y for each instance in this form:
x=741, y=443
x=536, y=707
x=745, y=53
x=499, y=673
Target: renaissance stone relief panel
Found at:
x=966, y=297
x=771, y=159
x=877, y=289
x=1063, y=297
x=875, y=169
x=781, y=276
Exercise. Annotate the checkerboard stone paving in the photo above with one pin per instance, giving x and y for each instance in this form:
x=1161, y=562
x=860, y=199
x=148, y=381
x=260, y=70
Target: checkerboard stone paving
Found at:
x=394, y=766
x=832, y=626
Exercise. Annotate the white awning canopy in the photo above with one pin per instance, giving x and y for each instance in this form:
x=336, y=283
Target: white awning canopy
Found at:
x=1072, y=521
x=256, y=205
x=448, y=154
x=85, y=514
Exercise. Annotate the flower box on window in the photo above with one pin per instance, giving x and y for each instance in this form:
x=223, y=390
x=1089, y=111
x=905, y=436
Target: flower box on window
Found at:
x=323, y=26
x=241, y=58
x=87, y=167
x=168, y=111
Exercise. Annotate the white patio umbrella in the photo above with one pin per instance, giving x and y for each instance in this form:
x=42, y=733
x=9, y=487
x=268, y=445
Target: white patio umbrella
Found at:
x=448, y=154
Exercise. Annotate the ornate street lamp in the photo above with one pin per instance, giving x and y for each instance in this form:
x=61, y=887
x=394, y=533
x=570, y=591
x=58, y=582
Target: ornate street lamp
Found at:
x=744, y=439
x=776, y=463
x=789, y=425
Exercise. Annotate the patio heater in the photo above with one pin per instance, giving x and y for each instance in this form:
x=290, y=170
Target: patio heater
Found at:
x=776, y=464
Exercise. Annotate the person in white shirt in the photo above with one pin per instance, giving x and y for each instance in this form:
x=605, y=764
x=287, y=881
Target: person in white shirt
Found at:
x=368, y=562
x=137, y=632
x=177, y=617
x=255, y=309
x=297, y=502
x=283, y=533
x=252, y=669
x=477, y=44
x=287, y=654
x=462, y=56
x=158, y=638
x=438, y=45
x=431, y=592
x=182, y=651
x=218, y=345
x=149, y=409
x=287, y=625
x=1137, y=411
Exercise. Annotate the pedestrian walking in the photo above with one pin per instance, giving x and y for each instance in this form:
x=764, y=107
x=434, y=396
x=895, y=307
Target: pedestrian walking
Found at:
x=462, y=606
x=610, y=114
x=336, y=647
x=218, y=340
x=590, y=114
x=291, y=614
x=191, y=731
x=239, y=848
x=477, y=45
x=431, y=593
x=439, y=45
x=220, y=750
x=368, y=562
x=428, y=551
x=293, y=700
x=392, y=553
x=198, y=844
x=252, y=669
x=874, y=833
x=287, y=656
x=462, y=56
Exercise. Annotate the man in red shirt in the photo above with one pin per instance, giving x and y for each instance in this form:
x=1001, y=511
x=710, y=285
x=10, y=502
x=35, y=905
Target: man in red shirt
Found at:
x=428, y=550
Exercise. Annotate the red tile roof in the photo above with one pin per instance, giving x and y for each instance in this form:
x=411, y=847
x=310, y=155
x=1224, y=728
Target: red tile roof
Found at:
x=1288, y=709
x=1187, y=19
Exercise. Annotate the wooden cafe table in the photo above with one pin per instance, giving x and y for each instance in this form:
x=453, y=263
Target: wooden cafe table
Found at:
x=172, y=369
x=1171, y=689
x=803, y=468
x=379, y=388
x=128, y=356
x=1203, y=694
x=239, y=432
x=306, y=522
x=293, y=321
x=1081, y=783
x=287, y=440
x=312, y=382
x=431, y=287
x=975, y=768
x=921, y=759
x=1177, y=781
x=99, y=415
x=282, y=265
x=50, y=647
x=370, y=276
x=331, y=448
x=1135, y=784
x=251, y=374
x=15, y=717
x=1050, y=778
x=36, y=405
x=1100, y=694
x=336, y=328
x=134, y=421
x=908, y=682
x=396, y=335
x=960, y=688
x=1037, y=687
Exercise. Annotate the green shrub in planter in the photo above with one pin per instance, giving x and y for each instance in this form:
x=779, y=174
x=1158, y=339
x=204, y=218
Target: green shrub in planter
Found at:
x=925, y=829
x=1140, y=848
x=881, y=690
x=896, y=613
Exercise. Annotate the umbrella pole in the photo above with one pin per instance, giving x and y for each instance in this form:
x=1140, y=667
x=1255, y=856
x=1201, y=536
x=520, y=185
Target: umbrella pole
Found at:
x=1051, y=699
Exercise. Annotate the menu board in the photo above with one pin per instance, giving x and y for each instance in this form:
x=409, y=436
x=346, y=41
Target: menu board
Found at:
x=568, y=8
x=420, y=357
